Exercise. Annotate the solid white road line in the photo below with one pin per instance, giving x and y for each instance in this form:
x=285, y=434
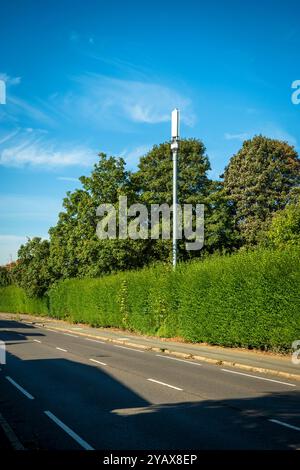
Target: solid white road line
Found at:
x=61, y=349
x=125, y=347
x=257, y=377
x=37, y=341
x=95, y=340
x=49, y=329
x=98, y=362
x=286, y=425
x=22, y=390
x=69, y=431
x=69, y=334
x=163, y=383
x=180, y=360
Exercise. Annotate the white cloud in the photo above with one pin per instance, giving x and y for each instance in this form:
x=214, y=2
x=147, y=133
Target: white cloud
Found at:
x=30, y=148
x=67, y=178
x=269, y=129
x=8, y=136
x=242, y=136
x=100, y=100
x=19, y=107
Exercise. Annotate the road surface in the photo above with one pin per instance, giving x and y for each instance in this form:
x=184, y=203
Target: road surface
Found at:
x=65, y=391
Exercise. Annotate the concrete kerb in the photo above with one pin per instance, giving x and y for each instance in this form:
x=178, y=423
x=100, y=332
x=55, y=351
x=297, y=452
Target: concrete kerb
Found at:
x=182, y=355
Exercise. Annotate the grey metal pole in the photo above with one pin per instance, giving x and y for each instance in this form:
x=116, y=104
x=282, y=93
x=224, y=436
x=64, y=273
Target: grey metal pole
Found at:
x=174, y=147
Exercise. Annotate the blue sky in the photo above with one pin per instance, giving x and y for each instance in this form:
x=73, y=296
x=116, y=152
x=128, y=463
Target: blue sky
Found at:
x=90, y=76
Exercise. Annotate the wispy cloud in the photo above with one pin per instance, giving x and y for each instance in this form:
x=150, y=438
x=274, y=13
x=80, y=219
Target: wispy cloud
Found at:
x=9, y=136
x=269, y=129
x=67, y=178
x=31, y=148
x=21, y=108
x=101, y=99
x=94, y=102
x=242, y=136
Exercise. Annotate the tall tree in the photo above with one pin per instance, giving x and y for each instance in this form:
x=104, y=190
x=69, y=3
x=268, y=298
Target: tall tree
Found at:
x=75, y=249
x=32, y=272
x=154, y=175
x=153, y=184
x=260, y=180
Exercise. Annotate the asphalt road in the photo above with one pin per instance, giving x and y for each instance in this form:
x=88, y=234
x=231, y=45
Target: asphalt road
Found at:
x=63, y=391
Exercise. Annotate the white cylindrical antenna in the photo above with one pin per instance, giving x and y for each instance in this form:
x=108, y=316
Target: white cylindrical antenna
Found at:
x=175, y=124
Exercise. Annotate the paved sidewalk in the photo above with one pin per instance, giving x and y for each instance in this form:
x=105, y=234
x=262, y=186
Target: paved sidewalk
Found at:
x=248, y=360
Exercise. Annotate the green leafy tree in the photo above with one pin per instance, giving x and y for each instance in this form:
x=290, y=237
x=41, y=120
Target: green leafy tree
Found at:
x=260, y=180
x=153, y=179
x=75, y=248
x=32, y=271
x=285, y=227
x=5, y=276
x=153, y=184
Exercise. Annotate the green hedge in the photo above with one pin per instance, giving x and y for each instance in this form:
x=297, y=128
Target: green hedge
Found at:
x=13, y=299
x=249, y=299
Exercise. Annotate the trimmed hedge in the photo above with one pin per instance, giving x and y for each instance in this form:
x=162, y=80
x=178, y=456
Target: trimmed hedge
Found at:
x=249, y=299
x=13, y=299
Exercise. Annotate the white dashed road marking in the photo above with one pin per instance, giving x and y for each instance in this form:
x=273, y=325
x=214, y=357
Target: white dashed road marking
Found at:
x=125, y=347
x=69, y=431
x=180, y=360
x=98, y=362
x=286, y=425
x=163, y=383
x=21, y=389
x=259, y=378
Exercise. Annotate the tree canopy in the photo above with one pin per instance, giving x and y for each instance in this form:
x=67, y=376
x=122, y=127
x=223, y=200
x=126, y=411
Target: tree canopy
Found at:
x=258, y=193
x=285, y=227
x=258, y=181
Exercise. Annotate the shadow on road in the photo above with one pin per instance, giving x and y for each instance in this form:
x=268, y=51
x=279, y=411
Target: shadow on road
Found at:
x=10, y=336
x=114, y=409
